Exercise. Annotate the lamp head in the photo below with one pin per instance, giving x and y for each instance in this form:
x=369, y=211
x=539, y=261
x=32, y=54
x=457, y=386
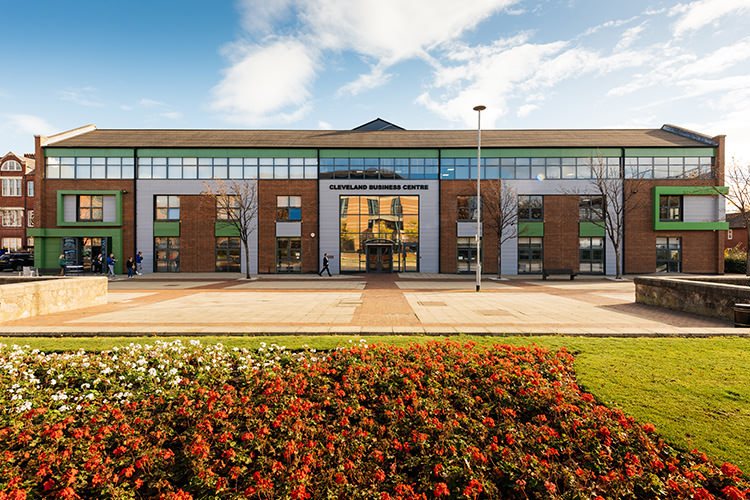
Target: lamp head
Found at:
x=480, y=108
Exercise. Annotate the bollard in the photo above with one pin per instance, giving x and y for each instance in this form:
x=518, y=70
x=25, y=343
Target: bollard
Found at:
x=742, y=315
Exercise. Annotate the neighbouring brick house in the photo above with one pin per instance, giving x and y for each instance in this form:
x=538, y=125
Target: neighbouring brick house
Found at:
x=16, y=201
x=380, y=199
x=736, y=235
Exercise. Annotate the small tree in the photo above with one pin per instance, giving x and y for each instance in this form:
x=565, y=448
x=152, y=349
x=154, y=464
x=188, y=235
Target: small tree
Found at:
x=500, y=213
x=619, y=199
x=737, y=178
x=236, y=204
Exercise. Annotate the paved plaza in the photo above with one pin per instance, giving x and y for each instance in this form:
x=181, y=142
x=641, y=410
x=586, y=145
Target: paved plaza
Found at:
x=413, y=303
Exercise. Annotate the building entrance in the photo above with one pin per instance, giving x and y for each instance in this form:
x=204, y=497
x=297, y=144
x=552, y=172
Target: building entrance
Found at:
x=379, y=257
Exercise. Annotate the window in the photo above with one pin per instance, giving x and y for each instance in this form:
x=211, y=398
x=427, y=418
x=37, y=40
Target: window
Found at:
x=12, y=244
x=466, y=254
x=288, y=255
x=670, y=208
x=167, y=255
x=377, y=168
x=12, y=217
x=529, y=255
x=30, y=242
x=668, y=255
x=11, y=166
x=530, y=208
x=90, y=208
x=167, y=207
x=591, y=209
x=228, y=207
x=729, y=234
x=467, y=208
x=12, y=186
x=90, y=168
x=228, y=255
x=30, y=188
x=288, y=208
x=30, y=218
x=591, y=255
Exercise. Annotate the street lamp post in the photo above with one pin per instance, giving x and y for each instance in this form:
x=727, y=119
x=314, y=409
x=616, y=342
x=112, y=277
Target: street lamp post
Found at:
x=479, y=110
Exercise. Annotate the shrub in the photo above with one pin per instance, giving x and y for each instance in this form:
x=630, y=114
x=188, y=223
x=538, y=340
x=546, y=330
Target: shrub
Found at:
x=735, y=260
x=437, y=420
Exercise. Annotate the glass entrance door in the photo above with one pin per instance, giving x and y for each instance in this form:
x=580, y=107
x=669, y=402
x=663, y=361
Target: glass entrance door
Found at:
x=379, y=258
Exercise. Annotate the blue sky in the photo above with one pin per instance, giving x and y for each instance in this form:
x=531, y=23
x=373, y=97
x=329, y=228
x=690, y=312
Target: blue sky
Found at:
x=422, y=64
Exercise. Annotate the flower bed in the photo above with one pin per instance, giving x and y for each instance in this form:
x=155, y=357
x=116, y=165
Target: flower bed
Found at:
x=174, y=421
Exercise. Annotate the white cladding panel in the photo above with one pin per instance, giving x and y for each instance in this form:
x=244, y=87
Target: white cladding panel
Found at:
x=288, y=229
x=109, y=208
x=146, y=190
x=701, y=209
x=70, y=208
x=467, y=229
x=429, y=215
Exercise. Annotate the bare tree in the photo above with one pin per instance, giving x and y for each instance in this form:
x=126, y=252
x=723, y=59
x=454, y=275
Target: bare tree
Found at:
x=236, y=204
x=737, y=178
x=619, y=198
x=500, y=213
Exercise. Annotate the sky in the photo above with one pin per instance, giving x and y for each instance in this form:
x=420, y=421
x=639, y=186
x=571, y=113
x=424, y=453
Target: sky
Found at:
x=336, y=64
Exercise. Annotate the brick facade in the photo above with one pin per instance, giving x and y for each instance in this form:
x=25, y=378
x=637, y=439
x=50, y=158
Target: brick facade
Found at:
x=23, y=202
x=561, y=231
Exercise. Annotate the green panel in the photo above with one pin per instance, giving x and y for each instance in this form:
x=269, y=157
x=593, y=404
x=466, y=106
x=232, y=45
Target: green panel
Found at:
x=171, y=228
x=530, y=229
x=228, y=153
x=51, y=243
x=100, y=152
x=591, y=229
x=533, y=153
x=379, y=153
x=687, y=191
x=670, y=152
x=226, y=229
x=61, y=208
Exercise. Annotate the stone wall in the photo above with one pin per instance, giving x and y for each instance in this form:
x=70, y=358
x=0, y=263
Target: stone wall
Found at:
x=26, y=297
x=710, y=296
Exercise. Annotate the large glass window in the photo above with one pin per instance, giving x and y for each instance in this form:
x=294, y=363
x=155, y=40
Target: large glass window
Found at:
x=379, y=168
x=167, y=207
x=228, y=254
x=12, y=244
x=528, y=168
x=467, y=208
x=669, y=255
x=90, y=208
x=466, y=255
x=167, y=255
x=288, y=255
x=591, y=208
x=676, y=167
x=12, y=186
x=288, y=208
x=227, y=168
x=670, y=208
x=30, y=188
x=228, y=207
x=530, y=208
x=11, y=166
x=90, y=168
x=379, y=220
x=591, y=255
x=530, y=255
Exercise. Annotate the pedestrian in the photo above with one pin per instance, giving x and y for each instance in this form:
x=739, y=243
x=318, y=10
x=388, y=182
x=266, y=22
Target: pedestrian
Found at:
x=111, y=266
x=61, y=260
x=139, y=263
x=325, y=265
x=100, y=263
x=130, y=264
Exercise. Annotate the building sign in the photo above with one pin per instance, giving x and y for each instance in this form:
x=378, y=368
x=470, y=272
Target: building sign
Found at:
x=379, y=187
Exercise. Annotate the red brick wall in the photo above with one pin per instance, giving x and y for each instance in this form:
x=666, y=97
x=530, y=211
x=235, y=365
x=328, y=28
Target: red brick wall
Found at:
x=561, y=231
x=197, y=241
x=268, y=190
x=449, y=191
x=15, y=201
x=702, y=251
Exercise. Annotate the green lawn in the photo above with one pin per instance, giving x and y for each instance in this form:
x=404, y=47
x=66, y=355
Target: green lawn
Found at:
x=696, y=391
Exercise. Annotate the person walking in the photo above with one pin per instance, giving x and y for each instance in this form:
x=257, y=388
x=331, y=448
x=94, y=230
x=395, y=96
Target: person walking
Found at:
x=111, y=266
x=130, y=264
x=325, y=265
x=63, y=263
x=139, y=263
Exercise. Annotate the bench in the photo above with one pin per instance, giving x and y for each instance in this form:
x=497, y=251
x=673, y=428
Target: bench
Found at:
x=564, y=270
x=73, y=270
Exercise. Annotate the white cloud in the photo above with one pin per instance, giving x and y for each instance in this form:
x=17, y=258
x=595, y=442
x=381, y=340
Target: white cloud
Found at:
x=270, y=82
x=375, y=78
x=150, y=102
x=28, y=124
x=630, y=36
x=695, y=15
x=324, y=125
x=526, y=109
x=717, y=61
x=172, y=115
x=83, y=97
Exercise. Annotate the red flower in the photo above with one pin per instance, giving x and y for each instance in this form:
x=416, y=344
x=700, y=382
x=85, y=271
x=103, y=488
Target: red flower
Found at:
x=648, y=427
x=441, y=490
x=733, y=493
x=730, y=470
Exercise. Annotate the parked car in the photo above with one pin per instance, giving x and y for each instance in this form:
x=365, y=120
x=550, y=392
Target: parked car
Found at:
x=16, y=261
